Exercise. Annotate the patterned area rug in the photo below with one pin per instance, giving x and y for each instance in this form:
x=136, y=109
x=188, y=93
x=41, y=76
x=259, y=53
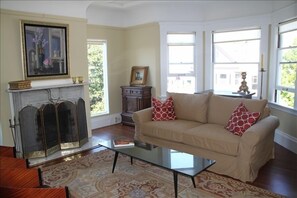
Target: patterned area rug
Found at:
x=90, y=176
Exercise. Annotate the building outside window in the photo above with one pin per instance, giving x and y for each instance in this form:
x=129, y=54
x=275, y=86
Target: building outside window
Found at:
x=285, y=91
x=97, y=63
x=181, y=62
x=234, y=52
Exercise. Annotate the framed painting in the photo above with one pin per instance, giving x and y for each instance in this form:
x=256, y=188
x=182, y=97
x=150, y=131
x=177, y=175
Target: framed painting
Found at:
x=139, y=75
x=45, y=50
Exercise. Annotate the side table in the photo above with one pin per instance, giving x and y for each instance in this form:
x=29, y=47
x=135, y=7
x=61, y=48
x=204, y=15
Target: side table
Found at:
x=134, y=98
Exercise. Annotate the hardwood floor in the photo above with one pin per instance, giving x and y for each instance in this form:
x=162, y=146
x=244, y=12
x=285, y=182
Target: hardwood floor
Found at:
x=278, y=175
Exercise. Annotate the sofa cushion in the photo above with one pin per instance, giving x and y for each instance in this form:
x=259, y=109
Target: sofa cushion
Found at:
x=191, y=107
x=212, y=137
x=171, y=130
x=220, y=108
x=241, y=119
x=163, y=111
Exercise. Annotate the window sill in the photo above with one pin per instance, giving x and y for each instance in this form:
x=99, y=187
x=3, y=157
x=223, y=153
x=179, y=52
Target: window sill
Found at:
x=99, y=114
x=282, y=108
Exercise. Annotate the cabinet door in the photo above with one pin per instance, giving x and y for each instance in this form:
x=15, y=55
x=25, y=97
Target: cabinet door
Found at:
x=131, y=104
x=134, y=99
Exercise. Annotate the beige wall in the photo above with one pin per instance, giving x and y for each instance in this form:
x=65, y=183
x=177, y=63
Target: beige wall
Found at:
x=142, y=45
x=127, y=47
x=117, y=69
x=288, y=122
x=11, y=58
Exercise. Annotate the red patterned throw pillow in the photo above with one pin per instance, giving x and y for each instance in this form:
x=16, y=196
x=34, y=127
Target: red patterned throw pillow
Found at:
x=241, y=119
x=163, y=111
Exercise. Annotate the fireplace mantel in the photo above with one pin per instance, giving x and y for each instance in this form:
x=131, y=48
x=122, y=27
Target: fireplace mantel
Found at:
x=47, y=87
x=37, y=96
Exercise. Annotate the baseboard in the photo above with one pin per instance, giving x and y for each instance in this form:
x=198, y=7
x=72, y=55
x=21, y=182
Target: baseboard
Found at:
x=105, y=120
x=287, y=141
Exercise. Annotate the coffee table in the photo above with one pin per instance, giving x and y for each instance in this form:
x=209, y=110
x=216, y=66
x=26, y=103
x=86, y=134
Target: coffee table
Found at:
x=173, y=160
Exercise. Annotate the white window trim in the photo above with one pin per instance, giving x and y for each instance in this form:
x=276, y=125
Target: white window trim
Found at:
x=274, y=62
x=259, y=76
x=278, y=18
x=236, y=24
x=105, y=77
x=167, y=27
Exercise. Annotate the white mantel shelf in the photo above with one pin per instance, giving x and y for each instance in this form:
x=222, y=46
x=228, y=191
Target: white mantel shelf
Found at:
x=46, y=87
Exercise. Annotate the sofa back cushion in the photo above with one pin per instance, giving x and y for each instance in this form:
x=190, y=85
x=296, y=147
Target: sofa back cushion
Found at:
x=192, y=107
x=220, y=108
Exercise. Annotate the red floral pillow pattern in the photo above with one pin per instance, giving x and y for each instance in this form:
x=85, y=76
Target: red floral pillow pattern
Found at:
x=241, y=119
x=163, y=111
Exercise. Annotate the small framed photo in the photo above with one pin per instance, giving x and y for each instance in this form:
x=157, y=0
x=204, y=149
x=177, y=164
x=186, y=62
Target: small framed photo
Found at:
x=45, y=50
x=139, y=75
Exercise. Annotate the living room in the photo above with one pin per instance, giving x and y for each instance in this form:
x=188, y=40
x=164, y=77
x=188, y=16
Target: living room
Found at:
x=136, y=36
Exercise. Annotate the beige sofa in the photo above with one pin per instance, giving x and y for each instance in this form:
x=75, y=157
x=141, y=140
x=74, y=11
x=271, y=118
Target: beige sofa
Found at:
x=199, y=129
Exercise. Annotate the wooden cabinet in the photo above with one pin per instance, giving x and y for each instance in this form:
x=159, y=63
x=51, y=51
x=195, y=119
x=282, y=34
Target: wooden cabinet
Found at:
x=134, y=99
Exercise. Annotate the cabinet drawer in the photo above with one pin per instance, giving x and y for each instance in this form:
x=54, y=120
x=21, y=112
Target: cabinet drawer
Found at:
x=132, y=92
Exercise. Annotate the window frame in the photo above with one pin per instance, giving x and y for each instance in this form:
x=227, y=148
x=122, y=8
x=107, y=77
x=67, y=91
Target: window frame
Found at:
x=214, y=62
x=193, y=44
x=105, y=77
x=168, y=27
x=278, y=87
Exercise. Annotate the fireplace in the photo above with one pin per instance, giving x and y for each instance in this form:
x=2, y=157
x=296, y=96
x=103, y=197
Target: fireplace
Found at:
x=52, y=127
x=48, y=119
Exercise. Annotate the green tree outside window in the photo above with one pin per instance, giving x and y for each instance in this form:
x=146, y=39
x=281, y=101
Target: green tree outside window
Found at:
x=96, y=82
x=288, y=75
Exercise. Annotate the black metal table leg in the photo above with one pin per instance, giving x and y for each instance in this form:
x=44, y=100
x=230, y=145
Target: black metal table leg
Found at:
x=193, y=180
x=175, y=183
x=131, y=158
x=115, y=160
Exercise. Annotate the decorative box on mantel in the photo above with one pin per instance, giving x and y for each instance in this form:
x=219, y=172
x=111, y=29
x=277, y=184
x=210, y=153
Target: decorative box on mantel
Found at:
x=48, y=118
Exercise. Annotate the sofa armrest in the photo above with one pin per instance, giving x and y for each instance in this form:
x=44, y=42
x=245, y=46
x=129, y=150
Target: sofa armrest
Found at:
x=257, y=147
x=140, y=117
x=260, y=131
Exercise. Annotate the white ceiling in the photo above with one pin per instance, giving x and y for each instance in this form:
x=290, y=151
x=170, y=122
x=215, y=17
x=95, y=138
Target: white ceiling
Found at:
x=117, y=3
x=123, y=13
x=124, y=4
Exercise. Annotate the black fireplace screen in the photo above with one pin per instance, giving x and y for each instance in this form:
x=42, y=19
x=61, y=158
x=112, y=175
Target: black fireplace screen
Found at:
x=82, y=121
x=50, y=128
x=53, y=127
x=31, y=134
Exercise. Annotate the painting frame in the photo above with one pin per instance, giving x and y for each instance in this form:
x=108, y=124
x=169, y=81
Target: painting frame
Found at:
x=139, y=75
x=45, y=50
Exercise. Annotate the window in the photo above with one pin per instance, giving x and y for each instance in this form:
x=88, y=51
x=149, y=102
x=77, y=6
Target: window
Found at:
x=181, y=62
x=97, y=63
x=235, y=52
x=286, y=91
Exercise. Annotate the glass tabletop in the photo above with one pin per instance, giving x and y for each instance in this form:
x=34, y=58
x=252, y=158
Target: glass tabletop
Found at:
x=178, y=161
